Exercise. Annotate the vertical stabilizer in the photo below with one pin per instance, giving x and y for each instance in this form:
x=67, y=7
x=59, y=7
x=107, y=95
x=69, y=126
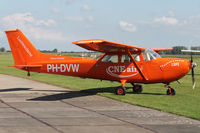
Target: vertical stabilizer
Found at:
x=23, y=51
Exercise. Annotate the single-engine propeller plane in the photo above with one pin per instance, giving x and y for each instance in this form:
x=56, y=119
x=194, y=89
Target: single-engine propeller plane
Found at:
x=120, y=62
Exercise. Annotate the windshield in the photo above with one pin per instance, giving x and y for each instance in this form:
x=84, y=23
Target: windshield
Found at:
x=149, y=54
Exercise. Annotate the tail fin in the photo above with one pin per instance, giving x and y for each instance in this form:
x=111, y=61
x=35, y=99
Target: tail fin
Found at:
x=23, y=51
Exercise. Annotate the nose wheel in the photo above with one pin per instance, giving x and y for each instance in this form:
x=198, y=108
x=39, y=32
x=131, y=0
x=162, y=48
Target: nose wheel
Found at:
x=171, y=91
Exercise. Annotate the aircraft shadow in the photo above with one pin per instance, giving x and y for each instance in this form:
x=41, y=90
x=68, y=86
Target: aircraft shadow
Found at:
x=61, y=96
x=14, y=89
x=65, y=94
x=112, y=90
x=145, y=93
x=72, y=94
x=83, y=93
x=99, y=90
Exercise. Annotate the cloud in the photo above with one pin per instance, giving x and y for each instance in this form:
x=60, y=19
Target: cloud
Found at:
x=45, y=34
x=20, y=19
x=166, y=20
x=69, y=1
x=171, y=13
x=191, y=24
x=75, y=19
x=192, y=20
x=169, y=19
x=90, y=18
x=86, y=8
x=28, y=24
x=46, y=23
x=80, y=18
x=55, y=10
x=127, y=26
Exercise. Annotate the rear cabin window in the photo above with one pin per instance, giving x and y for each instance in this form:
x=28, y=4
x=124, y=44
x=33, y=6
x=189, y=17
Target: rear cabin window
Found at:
x=125, y=58
x=110, y=58
x=122, y=58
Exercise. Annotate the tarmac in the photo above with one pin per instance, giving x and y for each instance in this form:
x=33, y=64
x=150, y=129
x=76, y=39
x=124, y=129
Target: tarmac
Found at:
x=28, y=106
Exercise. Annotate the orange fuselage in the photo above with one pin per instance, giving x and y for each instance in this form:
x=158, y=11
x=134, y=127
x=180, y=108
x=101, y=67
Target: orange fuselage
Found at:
x=159, y=70
x=120, y=62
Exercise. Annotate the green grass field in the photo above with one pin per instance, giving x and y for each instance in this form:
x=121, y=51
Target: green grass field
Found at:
x=186, y=102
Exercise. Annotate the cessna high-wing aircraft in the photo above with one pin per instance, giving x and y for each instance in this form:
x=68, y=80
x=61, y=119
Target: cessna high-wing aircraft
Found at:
x=120, y=62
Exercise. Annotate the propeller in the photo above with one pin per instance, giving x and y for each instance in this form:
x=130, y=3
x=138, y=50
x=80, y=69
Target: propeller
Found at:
x=193, y=65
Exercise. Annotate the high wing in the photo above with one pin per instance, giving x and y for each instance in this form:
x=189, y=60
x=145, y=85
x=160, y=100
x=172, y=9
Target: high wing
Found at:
x=162, y=49
x=106, y=46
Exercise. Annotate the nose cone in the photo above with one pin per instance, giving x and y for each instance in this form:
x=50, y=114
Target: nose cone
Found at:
x=174, y=68
x=185, y=66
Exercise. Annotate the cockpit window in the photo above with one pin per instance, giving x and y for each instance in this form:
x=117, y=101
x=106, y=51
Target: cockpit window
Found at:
x=110, y=58
x=149, y=54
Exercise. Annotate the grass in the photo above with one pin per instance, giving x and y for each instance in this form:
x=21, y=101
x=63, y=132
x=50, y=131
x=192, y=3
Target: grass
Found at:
x=186, y=102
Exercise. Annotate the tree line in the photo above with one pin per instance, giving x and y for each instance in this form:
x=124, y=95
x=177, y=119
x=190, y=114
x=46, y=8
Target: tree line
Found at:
x=2, y=49
x=176, y=50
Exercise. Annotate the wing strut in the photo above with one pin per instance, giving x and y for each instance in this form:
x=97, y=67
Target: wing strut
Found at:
x=141, y=73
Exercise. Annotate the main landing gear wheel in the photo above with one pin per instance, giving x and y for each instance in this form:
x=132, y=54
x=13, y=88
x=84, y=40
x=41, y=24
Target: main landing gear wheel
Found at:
x=137, y=89
x=171, y=91
x=120, y=90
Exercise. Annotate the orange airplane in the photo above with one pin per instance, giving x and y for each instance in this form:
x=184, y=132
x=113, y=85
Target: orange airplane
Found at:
x=120, y=62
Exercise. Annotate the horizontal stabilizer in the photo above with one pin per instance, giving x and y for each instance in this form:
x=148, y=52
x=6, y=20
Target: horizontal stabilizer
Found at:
x=190, y=51
x=25, y=66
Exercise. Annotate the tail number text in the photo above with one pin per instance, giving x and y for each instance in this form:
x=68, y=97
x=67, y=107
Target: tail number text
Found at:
x=62, y=67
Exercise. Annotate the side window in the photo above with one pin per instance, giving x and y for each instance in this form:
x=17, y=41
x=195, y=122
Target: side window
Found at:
x=110, y=58
x=136, y=57
x=145, y=56
x=126, y=58
x=148, y=56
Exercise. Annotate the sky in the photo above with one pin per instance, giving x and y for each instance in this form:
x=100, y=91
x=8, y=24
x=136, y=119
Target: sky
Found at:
x=51, y=24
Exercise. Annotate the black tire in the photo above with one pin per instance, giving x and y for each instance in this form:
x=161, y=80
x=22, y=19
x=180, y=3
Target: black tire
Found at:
x=137, y=89
x=173, y=92
x=120, y=90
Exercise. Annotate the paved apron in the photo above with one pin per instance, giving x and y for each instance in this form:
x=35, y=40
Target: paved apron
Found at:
x=32, y=107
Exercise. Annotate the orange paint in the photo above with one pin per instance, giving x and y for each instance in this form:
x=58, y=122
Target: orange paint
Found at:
x=130, y=64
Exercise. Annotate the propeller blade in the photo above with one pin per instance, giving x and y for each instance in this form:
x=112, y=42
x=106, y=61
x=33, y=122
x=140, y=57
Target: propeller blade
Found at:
x=192, y=70
x=193, y=80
